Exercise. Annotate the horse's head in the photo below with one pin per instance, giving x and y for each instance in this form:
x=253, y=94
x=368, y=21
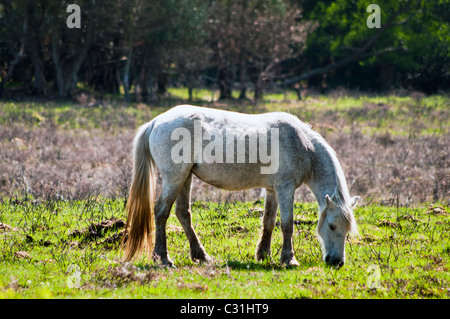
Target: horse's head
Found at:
x=335, y=222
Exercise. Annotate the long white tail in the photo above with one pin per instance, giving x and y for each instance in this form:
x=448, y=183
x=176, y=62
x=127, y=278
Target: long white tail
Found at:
x=141, y=200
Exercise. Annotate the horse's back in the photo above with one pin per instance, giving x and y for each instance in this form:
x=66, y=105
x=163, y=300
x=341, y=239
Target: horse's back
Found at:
x=293, y=143
x=204, y=113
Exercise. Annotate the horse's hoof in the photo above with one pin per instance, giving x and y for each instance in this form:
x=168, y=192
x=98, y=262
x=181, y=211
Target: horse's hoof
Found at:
x=205, y=259
x=164, y=262
x=292, y=262
x=262, y=256
x=199, y=255
x=265, y=258
x=168, y=264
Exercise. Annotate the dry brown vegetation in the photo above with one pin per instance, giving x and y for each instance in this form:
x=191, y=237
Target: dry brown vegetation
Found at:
x=50, y=160
x=55, y=164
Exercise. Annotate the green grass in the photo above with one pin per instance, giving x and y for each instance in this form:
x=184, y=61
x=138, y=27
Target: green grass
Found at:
x=72, y=116
x=396, y=115
x=41, y=258
x=409, y=246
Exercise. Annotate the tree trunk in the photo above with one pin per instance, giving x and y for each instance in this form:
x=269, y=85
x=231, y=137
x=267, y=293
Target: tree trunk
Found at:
x=190, y=84
x=224, y=84
x=126, y=75
x=190, y=93
x=79, y=61
x=163, y=83
x=298, y=90
x=151, y=86
x=8, y=74
x=243, y=78
x=258, y=88
x=58, y=66
x=143, y=84
x=39, y=85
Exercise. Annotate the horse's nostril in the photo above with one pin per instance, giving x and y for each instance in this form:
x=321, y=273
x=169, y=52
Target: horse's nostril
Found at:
x=337, y=262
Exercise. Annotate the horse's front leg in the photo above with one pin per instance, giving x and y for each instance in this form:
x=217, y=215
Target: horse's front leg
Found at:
x=183, y=212
x=270, y=213
x=285, y=195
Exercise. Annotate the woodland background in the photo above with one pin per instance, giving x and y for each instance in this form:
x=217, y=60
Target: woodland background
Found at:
x=137, y=49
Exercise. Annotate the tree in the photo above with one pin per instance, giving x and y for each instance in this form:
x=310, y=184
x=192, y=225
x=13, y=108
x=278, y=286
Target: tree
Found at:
x=250, y=38
x=139, y=45
x=389, y=55
x=12, y=34
x=158, y=33
x=70, y=46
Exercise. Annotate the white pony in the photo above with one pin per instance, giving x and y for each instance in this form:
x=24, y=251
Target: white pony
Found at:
x=300, y=156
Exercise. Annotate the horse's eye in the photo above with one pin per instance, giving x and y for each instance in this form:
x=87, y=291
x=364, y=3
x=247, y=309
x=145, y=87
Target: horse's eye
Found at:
x=332, y=227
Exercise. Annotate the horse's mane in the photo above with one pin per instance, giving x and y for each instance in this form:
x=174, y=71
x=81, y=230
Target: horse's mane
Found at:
x=343, y=199
x=342, y=195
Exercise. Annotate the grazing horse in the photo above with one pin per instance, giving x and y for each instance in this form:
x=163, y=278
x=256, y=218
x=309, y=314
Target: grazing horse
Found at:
x=180, y=143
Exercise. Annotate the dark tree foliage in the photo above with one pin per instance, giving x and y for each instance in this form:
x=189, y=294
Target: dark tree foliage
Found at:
x=137, y=48
x=412, y=53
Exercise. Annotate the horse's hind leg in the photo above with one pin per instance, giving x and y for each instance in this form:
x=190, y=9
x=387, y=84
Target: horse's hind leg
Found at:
x=268, y=223
x=162, y=210
x=183, y=212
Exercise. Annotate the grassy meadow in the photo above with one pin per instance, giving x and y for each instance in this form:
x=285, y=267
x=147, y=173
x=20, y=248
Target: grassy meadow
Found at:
x=65, y=169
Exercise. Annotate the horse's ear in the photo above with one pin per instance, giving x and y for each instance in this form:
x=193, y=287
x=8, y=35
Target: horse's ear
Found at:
x=354, y=201
x=334, y=196
x=330, y=202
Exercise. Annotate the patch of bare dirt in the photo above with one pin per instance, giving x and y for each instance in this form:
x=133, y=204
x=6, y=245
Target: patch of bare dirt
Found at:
x=437, y=210
x=124, y=274
x=5, y=227
x=387, y=223
x=98, y=230
x=22, y=254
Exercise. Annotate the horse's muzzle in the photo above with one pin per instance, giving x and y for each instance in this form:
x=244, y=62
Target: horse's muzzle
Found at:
x=333, y=261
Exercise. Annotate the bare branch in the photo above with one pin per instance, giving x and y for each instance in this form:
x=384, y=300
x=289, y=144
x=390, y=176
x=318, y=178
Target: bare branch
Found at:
x=382, y=51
